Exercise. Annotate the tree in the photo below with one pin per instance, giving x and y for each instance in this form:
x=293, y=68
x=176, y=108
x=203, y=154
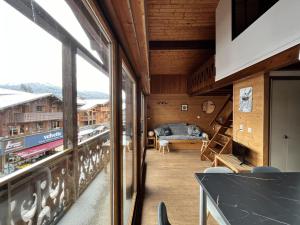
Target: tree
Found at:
x=26, y=88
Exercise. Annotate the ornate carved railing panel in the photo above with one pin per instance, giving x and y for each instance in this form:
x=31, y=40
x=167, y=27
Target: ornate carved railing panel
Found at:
x=202, y=77
x=42, y=193
x=93, y=156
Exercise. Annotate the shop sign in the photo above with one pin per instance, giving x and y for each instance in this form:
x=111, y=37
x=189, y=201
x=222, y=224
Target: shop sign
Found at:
x=11, y=145
x=43, y=138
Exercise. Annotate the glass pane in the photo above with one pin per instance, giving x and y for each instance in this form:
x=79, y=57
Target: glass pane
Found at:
x=127, y=142
x=31, y=131
x=93, y=116
x=30, y=92
x=142, y=126
x=61, y=12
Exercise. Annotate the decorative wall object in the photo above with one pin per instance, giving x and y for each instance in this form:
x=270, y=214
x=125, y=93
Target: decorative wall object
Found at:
x=162, y=103
x=150, y=133
x=246, y=99
x=184, y=107
x=208, y=107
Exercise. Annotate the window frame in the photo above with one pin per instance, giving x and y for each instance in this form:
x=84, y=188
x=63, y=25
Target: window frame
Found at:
x=135, y=167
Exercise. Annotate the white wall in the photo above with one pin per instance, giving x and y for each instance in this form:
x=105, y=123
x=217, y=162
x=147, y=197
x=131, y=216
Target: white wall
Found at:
x=275, y=31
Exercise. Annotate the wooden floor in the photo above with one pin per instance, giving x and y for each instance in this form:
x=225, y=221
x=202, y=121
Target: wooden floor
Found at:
x=170, y=178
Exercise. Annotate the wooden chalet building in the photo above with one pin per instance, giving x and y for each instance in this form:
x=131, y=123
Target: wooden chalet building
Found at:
x=93, y=111
x=23, y=113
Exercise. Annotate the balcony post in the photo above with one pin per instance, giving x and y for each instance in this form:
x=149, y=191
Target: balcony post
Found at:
x=70, y=108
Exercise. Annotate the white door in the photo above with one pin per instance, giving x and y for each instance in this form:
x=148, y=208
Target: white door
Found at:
x=285, y=125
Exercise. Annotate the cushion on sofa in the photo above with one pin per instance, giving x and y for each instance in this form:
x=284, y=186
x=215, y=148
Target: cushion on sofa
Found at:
x=194, y=130
x=167, y=131
x=179, y=129
x=158, y=131
x=180, y=137
x=163, y=131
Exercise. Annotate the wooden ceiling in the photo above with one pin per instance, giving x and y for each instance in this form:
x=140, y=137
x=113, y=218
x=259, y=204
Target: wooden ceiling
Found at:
x=127, y=21
x=177, y=62
x=182, y=33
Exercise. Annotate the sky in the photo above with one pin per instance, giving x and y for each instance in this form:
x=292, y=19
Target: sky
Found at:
x=30, y=54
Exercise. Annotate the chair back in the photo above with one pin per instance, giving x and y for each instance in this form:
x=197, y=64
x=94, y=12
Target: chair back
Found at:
x=162, y=214
x=218, y=169
x=265, y=169
x=210, y=206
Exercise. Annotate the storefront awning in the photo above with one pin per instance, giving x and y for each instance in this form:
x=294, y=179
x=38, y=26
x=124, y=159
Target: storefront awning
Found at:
x=36, y=150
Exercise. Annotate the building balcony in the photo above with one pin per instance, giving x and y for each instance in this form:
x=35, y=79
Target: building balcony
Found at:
x=53, y=191
x=36, y=117
x=85, y=118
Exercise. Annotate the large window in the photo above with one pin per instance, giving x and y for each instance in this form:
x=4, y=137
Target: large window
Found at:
x=128, y=142
x=30, y=84
x=54, y=85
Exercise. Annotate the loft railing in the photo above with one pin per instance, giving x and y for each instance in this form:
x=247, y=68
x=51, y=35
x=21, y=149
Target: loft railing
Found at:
x=42, y=192
x=203, y=77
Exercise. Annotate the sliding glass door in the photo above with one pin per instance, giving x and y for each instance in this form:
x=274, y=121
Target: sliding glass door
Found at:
x=128, y=143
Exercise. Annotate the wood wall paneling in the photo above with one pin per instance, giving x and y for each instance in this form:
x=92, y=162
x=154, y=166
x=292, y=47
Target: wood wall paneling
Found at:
x=164, y=84
x=257, y=141
x=170, y=112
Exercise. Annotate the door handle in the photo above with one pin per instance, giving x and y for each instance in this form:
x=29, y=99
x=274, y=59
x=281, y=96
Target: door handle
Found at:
x=285, y=137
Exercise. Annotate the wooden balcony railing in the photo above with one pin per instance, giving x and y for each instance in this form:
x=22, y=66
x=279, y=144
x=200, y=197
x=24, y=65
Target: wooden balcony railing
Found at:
x=39, y=116
x=42, y=192
x=203, y=77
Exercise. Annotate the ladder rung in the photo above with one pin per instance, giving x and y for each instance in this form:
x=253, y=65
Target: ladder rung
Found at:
x=224, y=135
x=219, y=143
x=215, y=150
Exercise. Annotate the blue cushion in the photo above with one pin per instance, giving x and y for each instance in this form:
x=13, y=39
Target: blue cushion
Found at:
x=163, y=131
x=159, y=131
x=167, y=131
x=179, y=129
x=194, y=130
x=180, y=137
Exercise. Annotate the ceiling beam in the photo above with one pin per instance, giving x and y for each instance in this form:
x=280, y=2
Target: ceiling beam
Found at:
x=182, y=45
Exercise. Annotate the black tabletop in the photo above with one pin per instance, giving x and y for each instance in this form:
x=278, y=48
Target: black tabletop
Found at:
x=244, y=199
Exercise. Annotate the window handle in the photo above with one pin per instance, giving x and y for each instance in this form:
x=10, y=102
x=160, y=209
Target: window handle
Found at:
x=285, y=137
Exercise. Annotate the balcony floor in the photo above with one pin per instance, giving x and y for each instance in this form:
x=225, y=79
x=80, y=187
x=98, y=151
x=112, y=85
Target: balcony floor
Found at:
x=170, y=178
x=92, y=207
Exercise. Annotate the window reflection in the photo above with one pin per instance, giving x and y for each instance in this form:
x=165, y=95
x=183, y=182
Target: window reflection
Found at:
x=127, y=142
x=61, y=12
x=31, y=101
x=31, y=120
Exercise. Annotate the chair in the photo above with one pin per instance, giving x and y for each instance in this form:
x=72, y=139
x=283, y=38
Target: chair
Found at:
x=211, y=209
x=265, y=169
x=162, y=214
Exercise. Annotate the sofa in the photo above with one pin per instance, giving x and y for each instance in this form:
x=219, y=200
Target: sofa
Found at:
x=180, y=135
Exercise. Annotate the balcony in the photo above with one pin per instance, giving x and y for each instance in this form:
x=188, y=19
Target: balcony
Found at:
x=85, y=118
x=50, y=190
x=39, y=116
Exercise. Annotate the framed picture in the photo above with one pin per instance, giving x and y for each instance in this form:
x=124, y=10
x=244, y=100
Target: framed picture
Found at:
x=246, y=99
x=184, y=107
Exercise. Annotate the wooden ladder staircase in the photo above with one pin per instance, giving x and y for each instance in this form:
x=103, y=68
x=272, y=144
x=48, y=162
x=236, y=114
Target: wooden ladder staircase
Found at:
x=221, y=142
